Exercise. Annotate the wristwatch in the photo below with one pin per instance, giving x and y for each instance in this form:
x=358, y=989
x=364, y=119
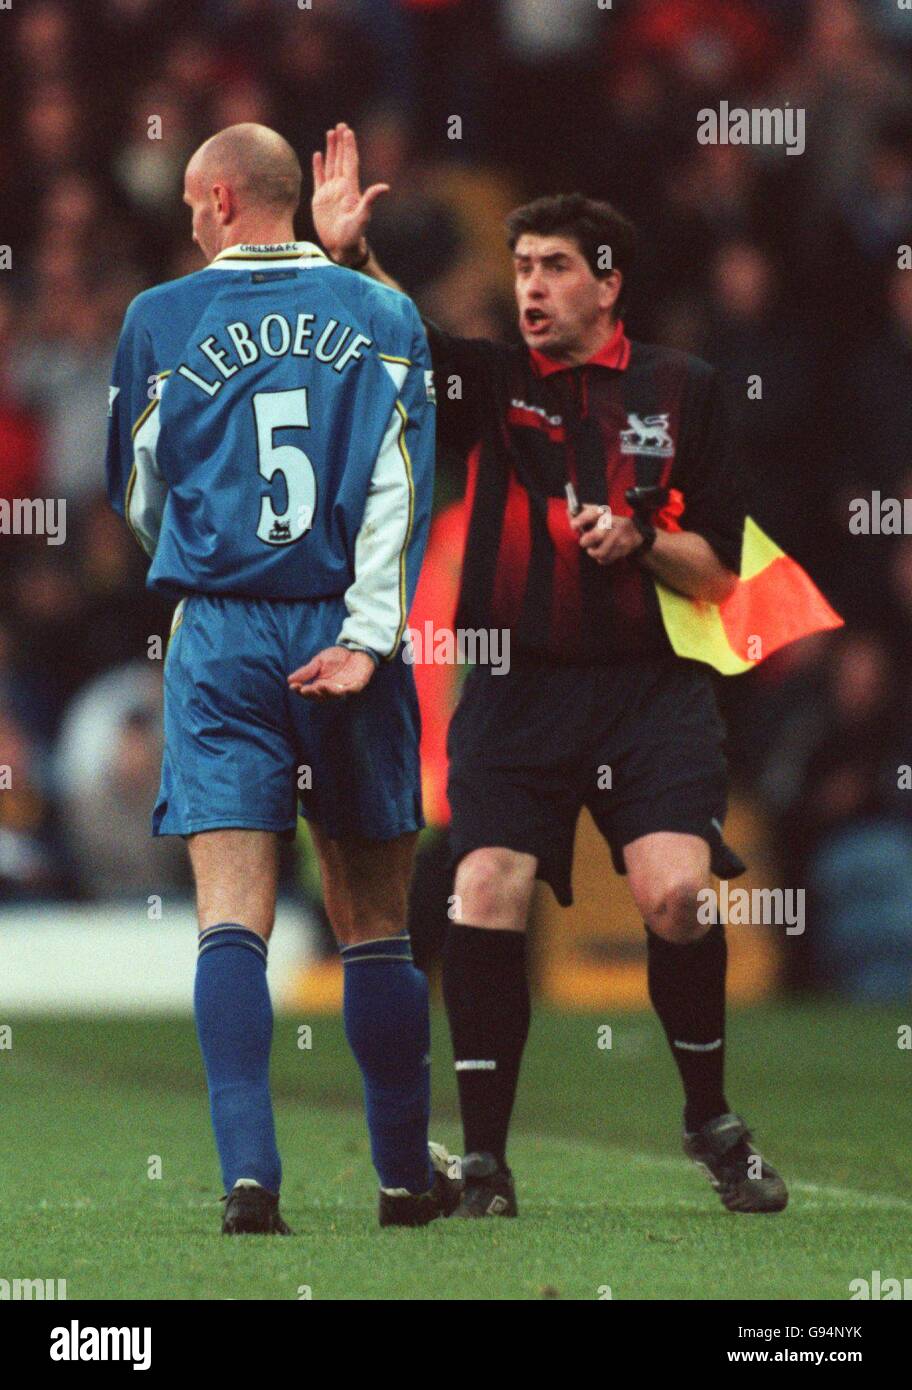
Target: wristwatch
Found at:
x=648, y=533
x=643, y=501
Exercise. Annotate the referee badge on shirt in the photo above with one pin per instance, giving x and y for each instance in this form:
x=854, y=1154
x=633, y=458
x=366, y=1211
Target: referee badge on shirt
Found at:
x=649, y=435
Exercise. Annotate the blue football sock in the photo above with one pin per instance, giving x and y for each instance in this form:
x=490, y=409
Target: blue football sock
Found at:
x=385, y=1009
x=234, y=1025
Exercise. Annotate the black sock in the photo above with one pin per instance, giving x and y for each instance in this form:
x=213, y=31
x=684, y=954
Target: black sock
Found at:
x=687, y=989
x=487, y=1000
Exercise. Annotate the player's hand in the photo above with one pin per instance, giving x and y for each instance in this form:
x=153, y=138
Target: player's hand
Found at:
x=604, y=536
x=341, y=212
x=333, y=674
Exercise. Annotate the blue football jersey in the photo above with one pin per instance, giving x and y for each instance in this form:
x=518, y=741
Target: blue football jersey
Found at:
x=271, y=435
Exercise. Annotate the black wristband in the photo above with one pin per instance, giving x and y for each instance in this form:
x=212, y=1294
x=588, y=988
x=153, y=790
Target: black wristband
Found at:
x=359, y=265
x=648, y=533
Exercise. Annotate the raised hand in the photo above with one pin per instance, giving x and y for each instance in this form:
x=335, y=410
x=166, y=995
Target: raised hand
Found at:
x=341, y=212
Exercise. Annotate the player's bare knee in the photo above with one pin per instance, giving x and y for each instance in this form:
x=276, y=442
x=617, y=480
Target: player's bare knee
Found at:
x=493, y=887
x=671, y=910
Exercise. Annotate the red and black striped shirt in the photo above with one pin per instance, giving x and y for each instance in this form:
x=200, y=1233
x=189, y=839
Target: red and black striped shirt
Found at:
x=633, y=414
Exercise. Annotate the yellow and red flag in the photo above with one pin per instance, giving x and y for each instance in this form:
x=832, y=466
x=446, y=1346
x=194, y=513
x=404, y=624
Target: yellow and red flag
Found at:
x=775, y=602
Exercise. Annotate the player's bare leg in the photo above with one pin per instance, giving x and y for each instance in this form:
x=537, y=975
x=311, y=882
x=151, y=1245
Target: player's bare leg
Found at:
x=236, y=876
x=365, y=884
x=385, y=1008
x=236, y=873
x=686, y=963
x=487, y=998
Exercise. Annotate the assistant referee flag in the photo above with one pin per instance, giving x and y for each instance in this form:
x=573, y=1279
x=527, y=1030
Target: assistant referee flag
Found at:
x=774, y=602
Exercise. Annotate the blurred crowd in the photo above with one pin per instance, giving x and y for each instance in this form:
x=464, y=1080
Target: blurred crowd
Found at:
x=783, y=267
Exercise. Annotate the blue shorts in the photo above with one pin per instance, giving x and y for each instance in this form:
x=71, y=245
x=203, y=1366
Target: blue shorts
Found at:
x=242, y=750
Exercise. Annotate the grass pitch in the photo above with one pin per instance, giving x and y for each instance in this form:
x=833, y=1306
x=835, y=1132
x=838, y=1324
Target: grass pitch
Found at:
x=607, y=1200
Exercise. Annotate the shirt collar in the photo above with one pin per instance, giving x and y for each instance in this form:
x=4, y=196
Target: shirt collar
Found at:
x=614, y=352
x=244, y=255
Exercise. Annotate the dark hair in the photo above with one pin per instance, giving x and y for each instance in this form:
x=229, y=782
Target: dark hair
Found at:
x=593, y=225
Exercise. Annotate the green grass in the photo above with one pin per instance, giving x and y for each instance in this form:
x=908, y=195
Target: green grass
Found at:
x=605, y=1196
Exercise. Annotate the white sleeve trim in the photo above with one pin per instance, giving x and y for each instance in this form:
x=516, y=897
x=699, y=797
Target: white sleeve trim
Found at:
x=398, y=369
x=147, y=490
x=376, y=600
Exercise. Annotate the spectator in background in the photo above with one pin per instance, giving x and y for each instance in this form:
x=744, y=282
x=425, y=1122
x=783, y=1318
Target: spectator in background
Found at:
x=121, y=618
x=149, y=165
x=532, y=37
x=44, y=42
x=877, y=212
x=80, y=231
x=61, y=369
x=850, y=86
x=44, y=613
x=711, y=197
x=874, y=218
x=832, y=778
x=538, y=59
x=872, y=428
x=30, y=867
x=107, y=772
x=768, y=366
x=20, y=438
x=899, y=579
x=875, y=385
x=127, y=44
x=851, y=829
x=50, y=140
x=323, y=68
x=853, y=733
x=242, y=99
x=707, y=47
x=52, y=127
x=640, y=134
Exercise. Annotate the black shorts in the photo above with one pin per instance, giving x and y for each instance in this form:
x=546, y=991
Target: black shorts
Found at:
x=640, y=745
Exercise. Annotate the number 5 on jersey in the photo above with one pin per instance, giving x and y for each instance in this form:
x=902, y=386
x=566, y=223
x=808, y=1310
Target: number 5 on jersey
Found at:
x=278, y=410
